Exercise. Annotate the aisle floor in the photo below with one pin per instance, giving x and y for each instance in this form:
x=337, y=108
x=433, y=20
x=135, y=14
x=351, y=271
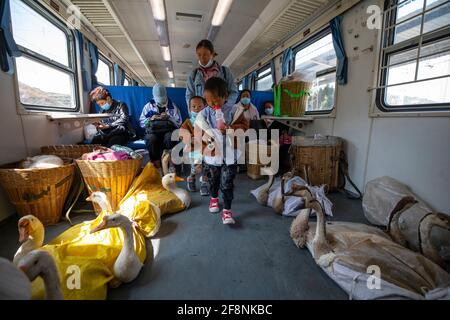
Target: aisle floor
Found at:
x=199, y=258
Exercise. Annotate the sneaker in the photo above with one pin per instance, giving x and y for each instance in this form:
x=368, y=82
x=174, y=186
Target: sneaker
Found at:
x=214, y=205
x=191, y=184
x=227, y=217
x=204, y=189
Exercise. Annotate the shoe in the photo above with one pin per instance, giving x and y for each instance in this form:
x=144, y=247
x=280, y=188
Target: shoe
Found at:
x=214, y=205
x=227, y=217
x=191, y=184
x=204, y=189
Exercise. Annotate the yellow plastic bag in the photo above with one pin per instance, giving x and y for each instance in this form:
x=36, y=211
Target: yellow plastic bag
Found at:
x=92, y=256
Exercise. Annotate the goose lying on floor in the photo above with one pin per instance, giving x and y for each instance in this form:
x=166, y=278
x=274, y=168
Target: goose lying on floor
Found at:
x=127, y=265
x=347, y=251
x=15, y=281
x=31, y=236
x=169, y=182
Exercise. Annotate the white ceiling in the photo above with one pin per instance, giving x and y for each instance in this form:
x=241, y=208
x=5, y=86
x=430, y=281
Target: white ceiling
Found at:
x=142, y=46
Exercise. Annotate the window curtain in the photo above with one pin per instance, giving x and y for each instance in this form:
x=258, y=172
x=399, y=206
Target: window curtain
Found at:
x=252, y=80
x=84, y=69
x=288, y=57
x=8, y=47
x=245, y=82
x=274, y=72
x=120, y=75
x=94, y=56
x=338, y=43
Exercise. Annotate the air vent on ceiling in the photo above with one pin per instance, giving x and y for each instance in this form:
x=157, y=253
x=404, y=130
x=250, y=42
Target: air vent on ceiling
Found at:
x=184, y=16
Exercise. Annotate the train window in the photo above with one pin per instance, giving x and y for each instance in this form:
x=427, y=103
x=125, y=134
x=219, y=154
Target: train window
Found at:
x=415, y=57
x=105, y=71
x=315, y=61
x=46, y=71
x=264, y=79
x=240, y=86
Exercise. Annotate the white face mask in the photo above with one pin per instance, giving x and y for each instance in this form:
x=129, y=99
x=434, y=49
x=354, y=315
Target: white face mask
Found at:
x=209, y=64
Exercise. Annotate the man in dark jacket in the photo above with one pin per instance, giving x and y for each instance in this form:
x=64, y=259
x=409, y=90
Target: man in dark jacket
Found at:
x=117, y=129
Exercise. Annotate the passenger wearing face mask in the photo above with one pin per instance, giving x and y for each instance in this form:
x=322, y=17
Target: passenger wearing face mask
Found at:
x=208, y=68
x=160, y=117
x=117, y=129
x=245, y=102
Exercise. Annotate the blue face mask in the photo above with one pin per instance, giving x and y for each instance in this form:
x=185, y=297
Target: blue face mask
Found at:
x=246, y=101
x=106, y=106
x=193, y=117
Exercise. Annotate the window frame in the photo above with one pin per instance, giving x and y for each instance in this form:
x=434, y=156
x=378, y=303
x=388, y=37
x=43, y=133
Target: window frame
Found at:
x=295, y=50
x=102, y=57
x=72, y=68
x=406, y=45
x=128, y=78
x=267, y=66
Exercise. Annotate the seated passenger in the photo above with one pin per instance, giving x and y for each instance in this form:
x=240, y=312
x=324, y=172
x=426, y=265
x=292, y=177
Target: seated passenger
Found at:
x=160, y=117
x=117, y=129
x=250, y=111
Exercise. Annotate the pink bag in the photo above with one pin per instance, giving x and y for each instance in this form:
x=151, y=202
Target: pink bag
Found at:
x=106, y=155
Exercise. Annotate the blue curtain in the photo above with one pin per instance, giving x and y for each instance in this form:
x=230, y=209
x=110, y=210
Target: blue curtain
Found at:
x=274, y=73
x=251, y=80
x=119, y=75
x=84, y=70
x=8, y=47
x=342, y=65
x=94, y=56
x=245, y=82
x=288, y=57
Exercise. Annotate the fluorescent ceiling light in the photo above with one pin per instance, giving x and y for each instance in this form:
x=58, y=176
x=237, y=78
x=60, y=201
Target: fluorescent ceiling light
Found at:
x=159, y=11
x=222, y=9
x=166, y=53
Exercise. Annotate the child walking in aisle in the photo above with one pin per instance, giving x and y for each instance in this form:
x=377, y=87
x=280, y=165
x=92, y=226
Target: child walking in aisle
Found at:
x=221, y=169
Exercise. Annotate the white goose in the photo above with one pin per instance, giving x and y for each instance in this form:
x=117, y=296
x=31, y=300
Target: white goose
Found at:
x=128, y=265
x=31, y=236
x=169, y=183
x=15, y=281
x=101, y=200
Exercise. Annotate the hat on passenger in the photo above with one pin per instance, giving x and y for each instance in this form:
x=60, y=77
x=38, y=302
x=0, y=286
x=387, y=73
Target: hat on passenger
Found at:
x=160, y=94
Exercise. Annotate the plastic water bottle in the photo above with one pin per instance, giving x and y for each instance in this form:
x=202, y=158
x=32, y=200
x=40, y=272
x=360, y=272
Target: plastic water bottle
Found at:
x=220, y=120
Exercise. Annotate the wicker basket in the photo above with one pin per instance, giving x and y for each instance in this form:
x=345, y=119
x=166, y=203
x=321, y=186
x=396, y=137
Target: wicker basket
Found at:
x=294, y=97
x=318, y=160
x=40, y=192
x=254, y=170
x=114, y=178
x=69, y=151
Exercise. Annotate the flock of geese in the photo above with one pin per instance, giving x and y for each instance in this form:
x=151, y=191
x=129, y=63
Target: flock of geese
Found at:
x=30, y=262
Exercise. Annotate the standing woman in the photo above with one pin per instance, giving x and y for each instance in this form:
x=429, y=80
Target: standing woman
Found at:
x=117, y=129
x=206, y=69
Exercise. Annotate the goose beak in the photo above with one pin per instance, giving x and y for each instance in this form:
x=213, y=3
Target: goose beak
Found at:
x=24, y=230
x=23, y=268
x=89, y=199
x=178, y=179
x=100, y=227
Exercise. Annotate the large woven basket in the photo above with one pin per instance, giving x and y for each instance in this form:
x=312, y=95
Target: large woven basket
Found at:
x=113, y=178
x=294, y=97
x=318, y=160
x=40, y=192
x=69, y=151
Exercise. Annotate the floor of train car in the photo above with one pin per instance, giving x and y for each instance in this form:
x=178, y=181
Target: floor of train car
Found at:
x=199, y=258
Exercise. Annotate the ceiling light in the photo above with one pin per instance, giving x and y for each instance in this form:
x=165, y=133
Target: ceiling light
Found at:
x=222, y=9
x=159, y=11
x=170, y=74
x=166, y=53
